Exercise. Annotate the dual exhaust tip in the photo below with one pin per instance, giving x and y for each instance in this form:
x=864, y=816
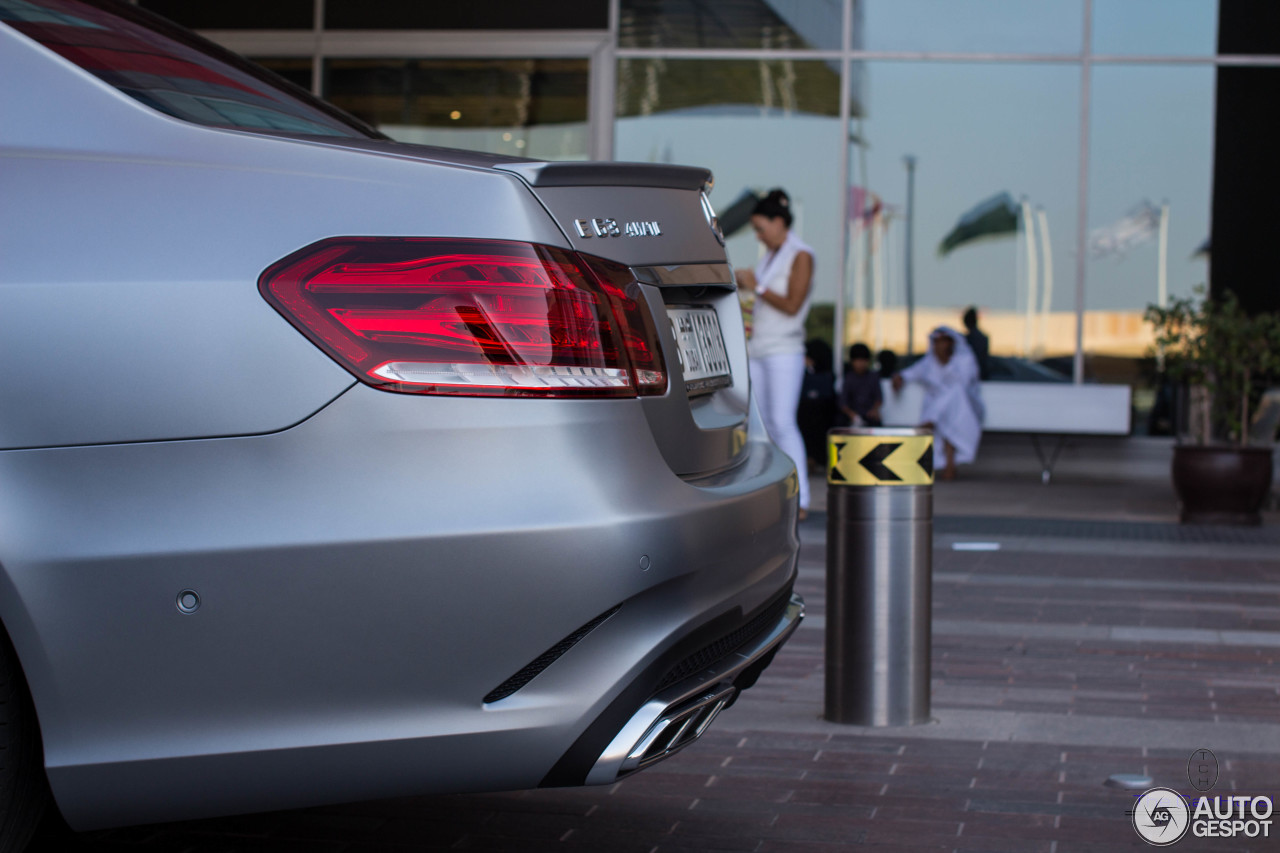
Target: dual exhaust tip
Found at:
x=679, y=715
x=658, y=731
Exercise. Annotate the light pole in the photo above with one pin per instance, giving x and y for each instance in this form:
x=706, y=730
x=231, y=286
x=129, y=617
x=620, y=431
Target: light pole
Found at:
x=910, y=161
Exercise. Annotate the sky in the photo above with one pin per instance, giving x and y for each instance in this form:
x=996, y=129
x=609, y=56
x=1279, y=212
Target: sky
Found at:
x=977, y=129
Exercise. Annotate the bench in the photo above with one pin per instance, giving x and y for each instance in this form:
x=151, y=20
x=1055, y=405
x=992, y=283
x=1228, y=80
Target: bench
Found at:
x=1056, y=410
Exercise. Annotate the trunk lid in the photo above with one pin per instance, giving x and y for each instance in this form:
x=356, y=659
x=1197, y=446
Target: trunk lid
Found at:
x=655, y=220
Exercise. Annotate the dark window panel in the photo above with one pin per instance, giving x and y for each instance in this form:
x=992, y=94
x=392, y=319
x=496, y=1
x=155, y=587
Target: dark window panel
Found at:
x=1246, y=183
x=778, y=24
x=236, y=14
x=1246, y=175
x=294, y=69
x=649, y=86
x=1249, y=26
x=491, y=15
x=482, y=92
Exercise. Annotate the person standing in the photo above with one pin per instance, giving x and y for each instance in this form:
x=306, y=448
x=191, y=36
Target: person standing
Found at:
x=978, y=342
x=782, y=281
x=818, y=403
x=953, y=405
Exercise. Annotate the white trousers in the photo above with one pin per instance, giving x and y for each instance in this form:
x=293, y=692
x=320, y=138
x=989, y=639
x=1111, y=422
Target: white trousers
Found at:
x=775, y=382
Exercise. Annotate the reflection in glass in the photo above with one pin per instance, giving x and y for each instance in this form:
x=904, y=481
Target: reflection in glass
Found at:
x=996, y=147
x=649, y=86
x=237, y=14
x=490, y=15
x=165, y=67
x=983, y=26
x=522, y=107
x=776, y=24
x=1151, y=169
x=756, y=125
x=1155, y=27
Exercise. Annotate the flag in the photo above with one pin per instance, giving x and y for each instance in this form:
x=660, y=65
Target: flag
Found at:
x=1136, y=228
x=864, y=205
x=995, y=217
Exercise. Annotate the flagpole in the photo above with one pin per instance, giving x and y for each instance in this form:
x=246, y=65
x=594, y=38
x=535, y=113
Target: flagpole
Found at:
x=1046, y=302
x=877, y=273
x=1162, y=268
x=1032, y=275
x=1162, y=272
x=858, y=238
x=838, y=332
x=910, y=162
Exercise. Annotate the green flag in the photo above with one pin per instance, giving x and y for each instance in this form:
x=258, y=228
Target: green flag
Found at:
x=995, y=217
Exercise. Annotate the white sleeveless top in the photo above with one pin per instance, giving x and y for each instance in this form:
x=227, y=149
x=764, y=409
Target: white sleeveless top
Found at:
x=773, y=331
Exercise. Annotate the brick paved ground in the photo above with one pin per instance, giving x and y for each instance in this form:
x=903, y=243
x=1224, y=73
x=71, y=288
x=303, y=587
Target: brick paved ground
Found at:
x=1057, y=662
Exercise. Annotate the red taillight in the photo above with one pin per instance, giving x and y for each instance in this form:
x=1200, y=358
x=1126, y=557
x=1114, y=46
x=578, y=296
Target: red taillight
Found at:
x=434, y=316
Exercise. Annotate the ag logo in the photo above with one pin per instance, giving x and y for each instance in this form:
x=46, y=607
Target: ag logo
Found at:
x=1161, y=817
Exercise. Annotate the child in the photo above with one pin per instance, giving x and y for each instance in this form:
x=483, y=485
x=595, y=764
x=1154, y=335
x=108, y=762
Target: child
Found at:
x=860, y=396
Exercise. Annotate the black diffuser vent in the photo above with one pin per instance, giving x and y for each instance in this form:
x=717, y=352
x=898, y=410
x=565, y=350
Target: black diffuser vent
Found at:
x=719, y=650
x=544, y=660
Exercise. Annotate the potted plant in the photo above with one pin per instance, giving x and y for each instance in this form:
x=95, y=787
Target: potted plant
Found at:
x=1223, y=356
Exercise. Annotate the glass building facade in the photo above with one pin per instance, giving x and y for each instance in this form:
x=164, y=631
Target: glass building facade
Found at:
x=1087, y=124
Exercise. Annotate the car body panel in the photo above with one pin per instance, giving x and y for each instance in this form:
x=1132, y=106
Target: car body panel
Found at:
x=326, y=598
x=370, y=565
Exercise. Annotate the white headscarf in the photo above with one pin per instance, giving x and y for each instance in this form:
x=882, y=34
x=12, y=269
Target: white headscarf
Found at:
x=952, y=396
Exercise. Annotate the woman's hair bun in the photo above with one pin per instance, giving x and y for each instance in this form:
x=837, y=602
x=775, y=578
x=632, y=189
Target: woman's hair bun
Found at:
x=774, y=205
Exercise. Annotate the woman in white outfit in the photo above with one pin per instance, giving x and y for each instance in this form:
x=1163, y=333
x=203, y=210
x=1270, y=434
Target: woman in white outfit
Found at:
x=952, y=398
x=782, y=281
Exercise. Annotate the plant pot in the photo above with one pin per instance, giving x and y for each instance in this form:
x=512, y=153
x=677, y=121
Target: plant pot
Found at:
x=1221, y=484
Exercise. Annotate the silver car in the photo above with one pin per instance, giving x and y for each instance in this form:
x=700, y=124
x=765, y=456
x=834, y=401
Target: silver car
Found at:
x=334, y=468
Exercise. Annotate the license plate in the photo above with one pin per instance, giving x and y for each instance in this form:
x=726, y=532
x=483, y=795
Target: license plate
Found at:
x=701, y=347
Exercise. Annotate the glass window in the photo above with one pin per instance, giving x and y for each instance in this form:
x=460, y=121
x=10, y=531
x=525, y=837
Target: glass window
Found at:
x=648, y=86
x=741, y=120
x=171, y=69
x=297, y=70
x=996, y=149
x=237, y=14
x=777, y=24
x=522, y=107
x=1151, y=158
x=490, y=15
x=981, y=26
x=1155, y=27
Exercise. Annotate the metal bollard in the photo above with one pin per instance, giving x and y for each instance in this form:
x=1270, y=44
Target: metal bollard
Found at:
x=879, y=575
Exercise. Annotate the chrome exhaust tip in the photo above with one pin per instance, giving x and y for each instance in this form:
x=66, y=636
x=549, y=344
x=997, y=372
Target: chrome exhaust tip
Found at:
x=678, y=715
x=658, y=731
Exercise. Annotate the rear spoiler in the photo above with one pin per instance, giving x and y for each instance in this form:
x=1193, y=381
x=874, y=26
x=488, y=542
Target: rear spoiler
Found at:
x=579, y=174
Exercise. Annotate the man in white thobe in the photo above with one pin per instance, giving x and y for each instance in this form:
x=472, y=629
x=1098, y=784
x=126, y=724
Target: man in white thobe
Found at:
x=952, y=398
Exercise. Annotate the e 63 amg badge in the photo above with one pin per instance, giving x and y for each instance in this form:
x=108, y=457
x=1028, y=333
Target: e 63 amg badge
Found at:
x=611, y=228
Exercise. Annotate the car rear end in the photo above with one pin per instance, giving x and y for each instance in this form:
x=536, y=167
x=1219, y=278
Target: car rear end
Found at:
x=339, y=469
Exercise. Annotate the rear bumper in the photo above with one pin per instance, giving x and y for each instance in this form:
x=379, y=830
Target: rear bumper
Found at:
x=367, y=578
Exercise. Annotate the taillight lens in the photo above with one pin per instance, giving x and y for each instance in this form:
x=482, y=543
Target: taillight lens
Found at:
x=486, y=318
x=635, y=323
